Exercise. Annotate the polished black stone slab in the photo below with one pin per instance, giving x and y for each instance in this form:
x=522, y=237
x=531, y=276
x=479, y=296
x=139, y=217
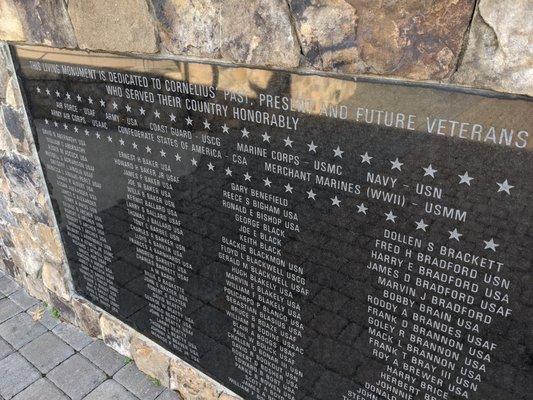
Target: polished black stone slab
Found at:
x=293, y=236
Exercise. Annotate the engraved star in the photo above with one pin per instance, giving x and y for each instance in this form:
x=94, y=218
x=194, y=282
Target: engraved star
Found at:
x=396, y=164
x=429, y=171
x=109, y=139
x=228, y=171
x=210, y=167
x=266, y=137
x=86, y=132
x=207, y=125
x=365, y=158
x=194, y=162
x=490, y=244
x=76, y=129
x=128, y=108
x=288, y=188
x=97, y=135
x=90, y=100
x=244, y=132
x=177, y=157
x=465, y=178
x=247, y=177
x=115, y=105
x=288, y=141
x=157, y=114
x=188, y=120
x=121, y=141
x=311, y=194
x=421, y=225
x=338, y=152
x=46, y=121
x=67, y=95
x=163, y=153
x=455, y=234
x=172, y=118
x=48, y=91
x=38, y=89
x=504, y=187
x=225, y=129
x=335, y=201
x=142, y=111
x=65, y=126
x=361, y=208
x=134, y=145
x=56, y=124
x=102, y=103
x=148, y=149
x=78, y=97
x=312, y=146
x=267, y=182
x=390, y=217
x=57, y=93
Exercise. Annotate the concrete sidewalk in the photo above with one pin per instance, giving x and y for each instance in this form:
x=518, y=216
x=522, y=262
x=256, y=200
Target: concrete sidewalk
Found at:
x=42, y=358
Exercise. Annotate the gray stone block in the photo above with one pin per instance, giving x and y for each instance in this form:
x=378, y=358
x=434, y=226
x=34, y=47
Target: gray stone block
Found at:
x=77, y=377
x=42, y=389
x=110, y=390
x=137, y=382
x=23, y=299
x=8, y=285
x=46, y=317
x=46, y=352
x=21, y=375
x=5, y=349
x=169, y=395
x=8, y=309
x=20, y=330
x=104, y=357
x=73, y=336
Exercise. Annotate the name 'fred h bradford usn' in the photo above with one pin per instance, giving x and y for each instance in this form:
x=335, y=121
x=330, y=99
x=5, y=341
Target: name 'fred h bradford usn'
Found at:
x=365, y=248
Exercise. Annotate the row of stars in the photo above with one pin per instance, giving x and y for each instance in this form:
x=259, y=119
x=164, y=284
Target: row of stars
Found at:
x=465, y=178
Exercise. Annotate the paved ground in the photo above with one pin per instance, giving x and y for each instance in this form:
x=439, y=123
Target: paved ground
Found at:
x=42, y=358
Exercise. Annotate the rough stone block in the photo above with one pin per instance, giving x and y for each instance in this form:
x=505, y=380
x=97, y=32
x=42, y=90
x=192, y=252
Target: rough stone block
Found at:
x=123, y=26
x=116, y=334
x=20, y=330
x=499, y=51
x=21, y=375
x=104, y=357
x=42, y=389
x=46, y=352
x=72, y=335
x=110, y=390
x=87, y=316
x=138, y=383
x=262, y=34
x=151, y=359
x=11, y=27
x=76, y=376
x=54, y=280
x=190, y=382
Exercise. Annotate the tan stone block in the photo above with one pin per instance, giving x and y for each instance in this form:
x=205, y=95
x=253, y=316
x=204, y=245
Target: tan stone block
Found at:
x=122, y=26
x=116, y=334
x=191, y=383
x=87, y=316
x=499, y=53
x=226, y=396
x=11, y=27
x=54, y=280
x=49, y=242
x=151, y=358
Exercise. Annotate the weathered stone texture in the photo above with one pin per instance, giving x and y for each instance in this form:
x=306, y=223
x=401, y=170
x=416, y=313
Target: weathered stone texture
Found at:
x=262, y=33
x=327, y=32
x=116, y=334
x=151, y=359
x=191, y=383
x=120, y=26
x=36, y=22
x=499, y=54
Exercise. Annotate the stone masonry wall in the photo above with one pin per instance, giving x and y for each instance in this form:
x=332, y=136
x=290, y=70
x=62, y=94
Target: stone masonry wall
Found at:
x=483, y=44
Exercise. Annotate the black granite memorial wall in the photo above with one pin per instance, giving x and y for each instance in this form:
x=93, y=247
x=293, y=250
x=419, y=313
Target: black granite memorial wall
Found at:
x=296, y=237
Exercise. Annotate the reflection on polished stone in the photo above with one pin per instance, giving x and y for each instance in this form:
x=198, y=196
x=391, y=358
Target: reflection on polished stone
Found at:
x=295, y=236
